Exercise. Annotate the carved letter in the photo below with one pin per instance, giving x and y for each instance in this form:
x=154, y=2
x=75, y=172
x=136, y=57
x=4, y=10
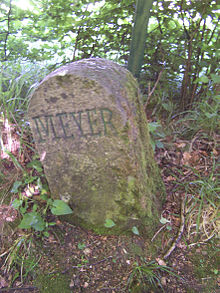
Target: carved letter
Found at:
x=79, y=121
x=43, y=130
x=107, y=120
x=92, y=122
x=64, y=126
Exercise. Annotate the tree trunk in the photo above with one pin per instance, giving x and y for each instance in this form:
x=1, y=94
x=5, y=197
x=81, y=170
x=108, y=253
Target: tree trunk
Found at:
x=139, y=35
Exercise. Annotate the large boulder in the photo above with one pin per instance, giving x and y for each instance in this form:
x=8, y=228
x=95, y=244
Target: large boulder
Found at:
x=92, y=136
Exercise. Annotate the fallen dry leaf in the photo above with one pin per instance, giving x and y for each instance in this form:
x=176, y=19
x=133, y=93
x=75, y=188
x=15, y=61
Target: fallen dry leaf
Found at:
x=87, y=251
x=160, y=262
x=163, y=281
x=215, y=152
x=186, y=158
x=170, y=178
x=3, y=282
x=181, y=145
x=7, y=213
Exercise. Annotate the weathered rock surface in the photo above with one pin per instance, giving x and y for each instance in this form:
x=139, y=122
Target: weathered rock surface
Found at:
x=91, y=133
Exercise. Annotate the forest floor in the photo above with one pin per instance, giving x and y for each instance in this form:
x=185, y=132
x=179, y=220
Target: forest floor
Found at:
x=74, y=260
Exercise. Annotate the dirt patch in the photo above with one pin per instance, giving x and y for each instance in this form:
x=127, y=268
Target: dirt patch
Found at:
x=74, y=260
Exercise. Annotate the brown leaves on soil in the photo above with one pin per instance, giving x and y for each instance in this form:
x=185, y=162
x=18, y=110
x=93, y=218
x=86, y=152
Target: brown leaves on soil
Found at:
x=3, y=282
x=7, y=214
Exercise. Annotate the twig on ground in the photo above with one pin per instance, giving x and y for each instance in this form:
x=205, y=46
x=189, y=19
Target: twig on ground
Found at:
x=202, y=242
x=17, y=288
x=180, y=232
x=193, y=140
x=161, y=228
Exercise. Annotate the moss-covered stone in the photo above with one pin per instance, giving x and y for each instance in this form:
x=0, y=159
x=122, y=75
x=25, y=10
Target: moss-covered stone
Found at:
x=92, y=135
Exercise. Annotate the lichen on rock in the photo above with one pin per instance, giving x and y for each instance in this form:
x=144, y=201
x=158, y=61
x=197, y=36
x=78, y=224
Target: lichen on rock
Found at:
x=88, y=121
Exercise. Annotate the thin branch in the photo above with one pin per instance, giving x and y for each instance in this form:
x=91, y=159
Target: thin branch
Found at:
x=180, y=232
x=213, y=31
x=18, y=288
x=76, y=43
x=202, y=242
x=183, y=20
x=78, y=35
x=153, y=89
x=161, y=228
x=159, y=26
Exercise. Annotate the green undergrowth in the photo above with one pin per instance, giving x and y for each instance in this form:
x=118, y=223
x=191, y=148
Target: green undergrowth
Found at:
x=206, y=259
x=20, y=261
x=203, y=118
x=33, y=200
x=147, y=275
x=17, y=81
x=202, y=203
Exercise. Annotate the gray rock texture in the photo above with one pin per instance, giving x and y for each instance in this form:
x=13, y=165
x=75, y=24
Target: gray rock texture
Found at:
x=92, y=136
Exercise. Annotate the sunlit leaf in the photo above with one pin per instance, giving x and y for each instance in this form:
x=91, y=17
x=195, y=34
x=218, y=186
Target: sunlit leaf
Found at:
x=204, y=79
x=32, y=220
x=36, y=164
x=15, y=186
x=164, y=220
x=81, y=246
x=109, y=223
x=153, y=126
x=135, y=230
x=215, y=78
x=46, y=234
x=59, y=208
x=17, y=203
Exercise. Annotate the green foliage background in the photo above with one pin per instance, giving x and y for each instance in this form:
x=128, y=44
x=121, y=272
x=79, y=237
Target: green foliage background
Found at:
x=182, y=40
x=181, y=58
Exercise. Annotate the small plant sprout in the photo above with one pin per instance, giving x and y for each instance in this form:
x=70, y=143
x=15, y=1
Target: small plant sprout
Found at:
x=147, y=275
x=33, y=200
